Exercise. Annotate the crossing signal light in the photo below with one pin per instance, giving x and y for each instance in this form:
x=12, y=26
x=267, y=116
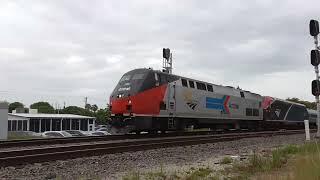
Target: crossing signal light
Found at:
x=315, y=57
x=315, y=86
x=166, y=53
x=314, y=27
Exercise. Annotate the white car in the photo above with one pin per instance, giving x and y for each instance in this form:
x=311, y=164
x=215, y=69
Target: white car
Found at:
x=56, y=134
x=98, y=133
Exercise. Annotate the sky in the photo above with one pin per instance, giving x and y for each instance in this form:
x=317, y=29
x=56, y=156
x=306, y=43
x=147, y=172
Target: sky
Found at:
x=63, y=51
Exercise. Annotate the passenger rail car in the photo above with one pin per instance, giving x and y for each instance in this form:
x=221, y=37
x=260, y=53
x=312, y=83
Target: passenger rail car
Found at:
x=150, y=100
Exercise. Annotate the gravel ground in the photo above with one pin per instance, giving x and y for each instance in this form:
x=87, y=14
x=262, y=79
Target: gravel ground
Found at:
x=114, y=166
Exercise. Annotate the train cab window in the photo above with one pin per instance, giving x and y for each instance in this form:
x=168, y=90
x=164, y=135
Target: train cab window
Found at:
x=201, y=86
x=241, y=94
x=209, y=87
x=191, y=84
x=137, y=76
x=125, y=78
x=184, y=82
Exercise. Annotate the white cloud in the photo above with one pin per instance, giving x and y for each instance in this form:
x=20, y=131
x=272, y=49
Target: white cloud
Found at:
x=66, y=50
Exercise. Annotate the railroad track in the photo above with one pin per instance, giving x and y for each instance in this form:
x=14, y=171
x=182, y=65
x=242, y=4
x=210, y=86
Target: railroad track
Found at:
x=69, y=151
x=54, y=141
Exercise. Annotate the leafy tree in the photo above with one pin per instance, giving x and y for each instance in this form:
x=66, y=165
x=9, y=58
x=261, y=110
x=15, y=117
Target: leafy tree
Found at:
x=102, y=116
x=15, y=105
x=88, y=106
x=43, y=107
x=76, y=110
x=94, y=108
x=309, y=105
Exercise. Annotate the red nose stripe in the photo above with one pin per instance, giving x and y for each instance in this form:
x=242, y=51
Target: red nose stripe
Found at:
x=146, y=102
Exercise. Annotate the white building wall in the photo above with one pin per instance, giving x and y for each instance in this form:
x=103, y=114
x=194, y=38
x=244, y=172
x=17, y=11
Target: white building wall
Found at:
x=3, y=120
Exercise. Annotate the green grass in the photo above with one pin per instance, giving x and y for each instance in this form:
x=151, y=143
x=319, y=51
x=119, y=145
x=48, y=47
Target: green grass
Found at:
x=289, y=162
x=278, y=159
x=132, y=176
x=192, y=174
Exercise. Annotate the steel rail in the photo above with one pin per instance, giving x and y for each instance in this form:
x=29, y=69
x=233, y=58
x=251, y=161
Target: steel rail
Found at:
x=34, y=155
x=53, y=141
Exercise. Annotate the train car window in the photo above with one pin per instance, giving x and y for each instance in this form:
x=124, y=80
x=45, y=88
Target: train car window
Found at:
x=255, y=112
x=248, y=112
x=209, y=87
x=241, y=94
x=191, y=84
x=201, y=86
x=184, y=82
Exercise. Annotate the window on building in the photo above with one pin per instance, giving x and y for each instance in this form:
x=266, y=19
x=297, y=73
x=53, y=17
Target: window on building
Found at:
x=48, y=124
x=184, y=82
x=191, y=84
x=209, y=87
x=242, y=94
x=74, y=124
x=84, y=125
x=14, y=125
x=25, y=125
x=43, y=125
x=19, y=125
x=201, y=86
x=9, y=125
x=66, y=124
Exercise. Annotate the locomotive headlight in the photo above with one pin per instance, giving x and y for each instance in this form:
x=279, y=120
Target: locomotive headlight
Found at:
x=129, y=101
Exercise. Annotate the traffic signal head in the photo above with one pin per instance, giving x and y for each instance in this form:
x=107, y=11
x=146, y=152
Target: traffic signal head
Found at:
x=166, y=53
x=315, y=57
x=314, y=27
x=315, y=87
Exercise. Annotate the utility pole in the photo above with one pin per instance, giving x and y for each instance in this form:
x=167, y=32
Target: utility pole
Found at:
x=315, y=61
x=85, y=102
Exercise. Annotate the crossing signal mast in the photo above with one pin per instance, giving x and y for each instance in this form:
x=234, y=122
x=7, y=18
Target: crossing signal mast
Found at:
x=315, y=61
x=167, y=60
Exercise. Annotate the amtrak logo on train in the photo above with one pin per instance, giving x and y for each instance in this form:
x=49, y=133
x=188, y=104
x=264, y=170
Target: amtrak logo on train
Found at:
x=190, y=100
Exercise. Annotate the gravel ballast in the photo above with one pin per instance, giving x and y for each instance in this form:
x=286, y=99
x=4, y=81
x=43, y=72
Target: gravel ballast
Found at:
x=114, y=166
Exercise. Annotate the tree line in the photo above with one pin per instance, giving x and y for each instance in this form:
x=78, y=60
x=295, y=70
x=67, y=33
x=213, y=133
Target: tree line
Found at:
x=308, y=104
x=102, y=114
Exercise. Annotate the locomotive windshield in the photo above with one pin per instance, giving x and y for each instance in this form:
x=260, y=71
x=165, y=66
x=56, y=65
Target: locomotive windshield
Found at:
x=131, y=82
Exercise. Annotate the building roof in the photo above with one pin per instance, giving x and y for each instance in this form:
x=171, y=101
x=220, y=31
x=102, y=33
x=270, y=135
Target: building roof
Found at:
x=48, y=116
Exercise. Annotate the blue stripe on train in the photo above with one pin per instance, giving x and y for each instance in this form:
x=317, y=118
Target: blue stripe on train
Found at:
x=214, y=106
x=214, y=100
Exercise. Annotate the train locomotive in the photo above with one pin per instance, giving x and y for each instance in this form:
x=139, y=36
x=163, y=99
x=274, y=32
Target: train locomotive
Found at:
x=152, y=100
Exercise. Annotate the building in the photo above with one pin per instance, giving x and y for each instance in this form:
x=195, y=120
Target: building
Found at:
x=49, y=122
x=3, y=120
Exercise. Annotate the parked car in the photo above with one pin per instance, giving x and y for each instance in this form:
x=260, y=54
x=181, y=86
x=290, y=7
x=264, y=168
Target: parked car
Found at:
x=99, y=133
x=55, y=134
x=102, y=129
x=76, y=133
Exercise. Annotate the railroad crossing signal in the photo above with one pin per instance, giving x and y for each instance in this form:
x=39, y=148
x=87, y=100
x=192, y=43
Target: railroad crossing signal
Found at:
x=315, y=61
x=314, y=27
x=166, y=53
x=315, y=57
x=315, y=87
